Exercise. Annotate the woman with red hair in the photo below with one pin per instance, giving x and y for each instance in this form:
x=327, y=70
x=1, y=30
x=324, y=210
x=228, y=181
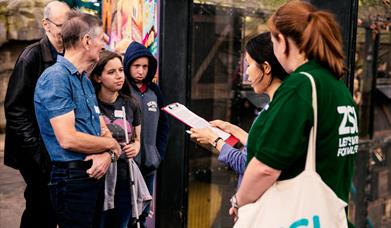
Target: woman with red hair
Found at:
x=304, y=40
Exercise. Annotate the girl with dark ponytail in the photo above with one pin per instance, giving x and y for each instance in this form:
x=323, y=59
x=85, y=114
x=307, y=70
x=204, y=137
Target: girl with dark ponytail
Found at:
x=265, y=75
x=305, y=40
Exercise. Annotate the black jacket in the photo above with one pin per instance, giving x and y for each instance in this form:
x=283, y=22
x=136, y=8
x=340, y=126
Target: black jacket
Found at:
x=23, y=144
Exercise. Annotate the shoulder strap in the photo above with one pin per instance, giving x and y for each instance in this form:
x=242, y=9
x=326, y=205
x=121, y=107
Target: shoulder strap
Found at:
x=311, y=151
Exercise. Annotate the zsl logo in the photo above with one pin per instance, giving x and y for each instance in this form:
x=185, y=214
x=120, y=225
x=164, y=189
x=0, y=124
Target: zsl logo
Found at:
x=301, y=223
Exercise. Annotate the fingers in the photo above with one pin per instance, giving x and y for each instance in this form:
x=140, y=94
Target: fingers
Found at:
x=100, y=164
x=194, y=133
x=233, y=212
x=95, y=172
x=199, y=137
x=218, y=123
x=202, y=132
x=131, y=150
x=126, y=147
x=131, y=153
x=202, y=141
x=225, y=126
x=89, y=157
x=203, y=135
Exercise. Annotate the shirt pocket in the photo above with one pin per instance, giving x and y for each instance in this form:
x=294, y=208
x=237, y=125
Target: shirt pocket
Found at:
x=92, y=105
x=94, y=111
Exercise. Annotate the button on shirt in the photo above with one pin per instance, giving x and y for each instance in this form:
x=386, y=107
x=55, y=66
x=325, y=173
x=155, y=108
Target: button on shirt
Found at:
x=59, y=90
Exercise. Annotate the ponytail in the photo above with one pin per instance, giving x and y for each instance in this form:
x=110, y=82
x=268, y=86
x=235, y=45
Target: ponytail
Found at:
x=315, y=32
x=322, y=41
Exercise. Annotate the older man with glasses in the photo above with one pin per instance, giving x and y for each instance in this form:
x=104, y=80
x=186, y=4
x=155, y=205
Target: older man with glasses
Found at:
x=24, y=149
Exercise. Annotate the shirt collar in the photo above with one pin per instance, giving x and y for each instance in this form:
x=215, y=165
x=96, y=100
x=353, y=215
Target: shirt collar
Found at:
x=68, y=65
x=53, y=51
x=46, y=47
x=143, y=88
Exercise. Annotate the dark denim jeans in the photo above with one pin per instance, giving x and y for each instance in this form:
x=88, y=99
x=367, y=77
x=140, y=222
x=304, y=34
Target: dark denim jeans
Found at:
x=39, y=211
x=77, y=199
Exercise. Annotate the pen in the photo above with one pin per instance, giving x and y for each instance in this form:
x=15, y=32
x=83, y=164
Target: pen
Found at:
x=189, y=132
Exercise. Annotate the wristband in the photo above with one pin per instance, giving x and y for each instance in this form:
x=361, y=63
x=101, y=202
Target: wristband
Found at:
x=214, y=144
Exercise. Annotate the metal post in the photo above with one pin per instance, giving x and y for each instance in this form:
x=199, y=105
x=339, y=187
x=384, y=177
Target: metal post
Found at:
x=174, y=73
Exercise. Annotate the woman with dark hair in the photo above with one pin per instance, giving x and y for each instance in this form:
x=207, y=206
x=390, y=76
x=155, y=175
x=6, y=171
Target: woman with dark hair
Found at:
x=305, y=41
x=108, y=79
x=265, y=75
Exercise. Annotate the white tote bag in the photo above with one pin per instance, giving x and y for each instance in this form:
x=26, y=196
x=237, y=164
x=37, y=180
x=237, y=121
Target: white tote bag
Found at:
x=303, y=201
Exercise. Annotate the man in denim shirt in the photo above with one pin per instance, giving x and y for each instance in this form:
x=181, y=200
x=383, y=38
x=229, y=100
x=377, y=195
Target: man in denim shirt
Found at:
x=73, y=131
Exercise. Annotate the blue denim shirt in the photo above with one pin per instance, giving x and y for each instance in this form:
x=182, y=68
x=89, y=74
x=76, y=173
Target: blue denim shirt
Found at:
x=59, y=90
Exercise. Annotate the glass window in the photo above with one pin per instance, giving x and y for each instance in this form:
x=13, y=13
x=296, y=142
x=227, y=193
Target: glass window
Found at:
x=370, y=204
x=219, y=91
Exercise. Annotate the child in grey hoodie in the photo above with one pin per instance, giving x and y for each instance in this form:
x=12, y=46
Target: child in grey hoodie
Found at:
x=140, y=68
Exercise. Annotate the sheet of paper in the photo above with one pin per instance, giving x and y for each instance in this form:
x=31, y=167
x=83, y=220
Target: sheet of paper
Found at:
x=191, y=119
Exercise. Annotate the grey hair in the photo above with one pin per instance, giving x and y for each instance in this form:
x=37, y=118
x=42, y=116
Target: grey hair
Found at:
x=78, y=25
x=49, y=7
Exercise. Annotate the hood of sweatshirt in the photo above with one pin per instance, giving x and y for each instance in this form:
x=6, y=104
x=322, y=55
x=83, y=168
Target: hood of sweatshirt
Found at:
x=135, y=51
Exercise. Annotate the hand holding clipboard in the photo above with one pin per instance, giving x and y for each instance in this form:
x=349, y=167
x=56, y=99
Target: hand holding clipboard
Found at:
x=183, y=114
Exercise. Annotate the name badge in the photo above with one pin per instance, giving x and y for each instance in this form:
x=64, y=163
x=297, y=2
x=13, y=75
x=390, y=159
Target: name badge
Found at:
x=118, y=113
x=97, y=109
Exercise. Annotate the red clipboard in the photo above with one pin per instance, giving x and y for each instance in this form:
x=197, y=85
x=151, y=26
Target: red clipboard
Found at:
x=189, y=118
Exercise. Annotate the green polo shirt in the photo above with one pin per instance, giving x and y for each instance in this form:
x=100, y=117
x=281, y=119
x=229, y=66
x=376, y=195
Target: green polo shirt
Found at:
x=279, y=137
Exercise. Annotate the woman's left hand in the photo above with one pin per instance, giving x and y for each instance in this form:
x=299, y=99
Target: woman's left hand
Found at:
x=233, y=212
x=203, y=135
x=131, y=150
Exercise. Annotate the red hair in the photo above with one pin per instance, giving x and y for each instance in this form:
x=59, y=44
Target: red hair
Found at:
x=315, y=32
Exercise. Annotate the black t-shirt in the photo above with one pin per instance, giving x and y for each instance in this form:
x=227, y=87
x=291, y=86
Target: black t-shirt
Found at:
x=113, y=116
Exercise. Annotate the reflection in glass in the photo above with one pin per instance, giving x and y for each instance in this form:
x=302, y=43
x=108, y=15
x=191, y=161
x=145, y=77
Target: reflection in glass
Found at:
x=219, y=91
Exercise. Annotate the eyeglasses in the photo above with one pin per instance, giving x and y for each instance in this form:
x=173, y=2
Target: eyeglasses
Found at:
x=57, y=25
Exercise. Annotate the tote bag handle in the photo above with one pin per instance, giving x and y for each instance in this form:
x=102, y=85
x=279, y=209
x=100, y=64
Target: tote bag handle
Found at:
x=311, y=151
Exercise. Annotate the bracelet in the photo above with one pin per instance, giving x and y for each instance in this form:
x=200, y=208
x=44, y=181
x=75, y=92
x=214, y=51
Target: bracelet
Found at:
x=234, y=202
x=214, y=144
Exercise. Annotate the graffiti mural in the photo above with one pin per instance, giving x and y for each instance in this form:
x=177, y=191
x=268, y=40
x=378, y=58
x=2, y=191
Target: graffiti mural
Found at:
x=131, y=20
